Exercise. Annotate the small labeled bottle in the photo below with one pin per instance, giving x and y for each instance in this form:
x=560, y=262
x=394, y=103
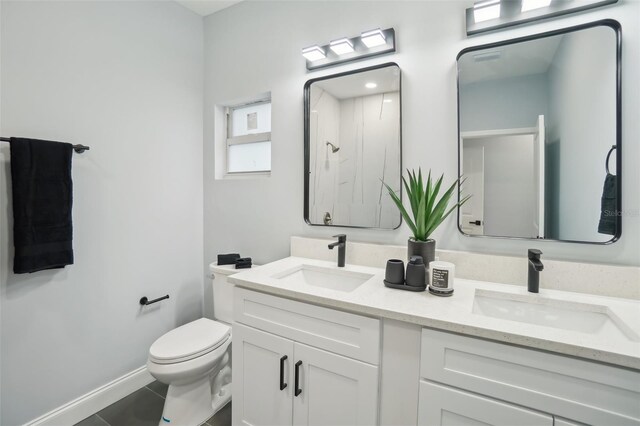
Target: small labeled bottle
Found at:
x=442, y=278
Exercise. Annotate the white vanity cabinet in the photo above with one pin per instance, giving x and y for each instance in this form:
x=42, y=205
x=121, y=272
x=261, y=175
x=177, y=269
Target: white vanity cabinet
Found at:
x=444, y=405
x=334, y=356
x=466, y=380
x=356, y=370
x=257, y=398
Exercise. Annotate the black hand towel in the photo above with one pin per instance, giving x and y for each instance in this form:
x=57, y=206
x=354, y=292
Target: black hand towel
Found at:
x=42, y=199
x=609, y=206
x=243, y=263
x=227, y=259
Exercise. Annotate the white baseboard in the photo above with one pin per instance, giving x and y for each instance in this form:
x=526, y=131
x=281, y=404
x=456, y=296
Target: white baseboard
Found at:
x=94, y=401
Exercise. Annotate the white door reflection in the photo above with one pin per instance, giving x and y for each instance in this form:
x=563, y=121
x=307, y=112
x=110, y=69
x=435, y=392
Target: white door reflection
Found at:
x=504, y=170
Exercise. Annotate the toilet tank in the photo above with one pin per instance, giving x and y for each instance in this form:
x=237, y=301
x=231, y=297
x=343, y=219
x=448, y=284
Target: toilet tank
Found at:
x=223, y=291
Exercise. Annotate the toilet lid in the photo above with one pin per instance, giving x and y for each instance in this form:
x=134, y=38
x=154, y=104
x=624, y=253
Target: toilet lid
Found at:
x=189, y=341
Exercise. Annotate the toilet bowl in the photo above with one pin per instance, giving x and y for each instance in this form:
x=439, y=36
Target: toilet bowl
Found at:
x=195, y=360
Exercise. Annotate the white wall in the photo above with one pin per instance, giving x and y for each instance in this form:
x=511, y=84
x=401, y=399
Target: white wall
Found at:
x=582, y=118
x=254, y=47
x=124, y=78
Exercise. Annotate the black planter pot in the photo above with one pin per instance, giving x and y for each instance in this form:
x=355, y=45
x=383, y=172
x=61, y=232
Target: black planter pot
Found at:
x=426, y=249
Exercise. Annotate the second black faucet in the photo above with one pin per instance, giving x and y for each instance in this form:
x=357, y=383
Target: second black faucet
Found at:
x=535, y=266
x=342, y=248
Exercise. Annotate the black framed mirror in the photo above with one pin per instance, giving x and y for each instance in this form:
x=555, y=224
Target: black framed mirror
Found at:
x=352, y=143
x=539, y=136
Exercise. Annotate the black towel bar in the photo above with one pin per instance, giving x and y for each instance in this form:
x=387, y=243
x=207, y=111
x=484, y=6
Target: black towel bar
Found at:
x=77, y=148
x=145, y=301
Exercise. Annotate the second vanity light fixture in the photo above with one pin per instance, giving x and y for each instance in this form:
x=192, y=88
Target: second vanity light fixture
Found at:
x=491, y=15
x=346, y=49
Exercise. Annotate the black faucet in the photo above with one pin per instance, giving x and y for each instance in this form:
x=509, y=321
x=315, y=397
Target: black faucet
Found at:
x=342, y=248
x=535, y=266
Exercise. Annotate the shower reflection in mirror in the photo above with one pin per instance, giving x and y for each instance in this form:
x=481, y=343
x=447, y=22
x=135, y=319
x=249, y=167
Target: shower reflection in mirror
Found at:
x=353, y=143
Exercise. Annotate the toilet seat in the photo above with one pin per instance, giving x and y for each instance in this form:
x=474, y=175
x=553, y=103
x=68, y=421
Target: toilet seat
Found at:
x=189, y=341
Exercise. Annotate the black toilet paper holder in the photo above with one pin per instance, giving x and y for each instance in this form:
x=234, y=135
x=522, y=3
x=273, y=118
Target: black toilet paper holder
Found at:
x=145, y=300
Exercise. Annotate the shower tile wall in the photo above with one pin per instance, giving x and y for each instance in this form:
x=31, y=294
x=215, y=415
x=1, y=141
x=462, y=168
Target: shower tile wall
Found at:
x=347, y=183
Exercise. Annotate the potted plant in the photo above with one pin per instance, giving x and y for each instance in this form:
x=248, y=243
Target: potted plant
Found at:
x=427, y=211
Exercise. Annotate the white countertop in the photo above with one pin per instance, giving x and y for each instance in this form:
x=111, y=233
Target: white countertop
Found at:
x=455, y=313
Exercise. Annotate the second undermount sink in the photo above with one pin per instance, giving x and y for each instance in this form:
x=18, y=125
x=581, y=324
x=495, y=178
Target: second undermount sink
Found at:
x=331, y=278
x=560, y=314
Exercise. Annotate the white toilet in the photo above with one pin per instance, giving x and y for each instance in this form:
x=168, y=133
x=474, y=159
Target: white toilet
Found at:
x=195, y=359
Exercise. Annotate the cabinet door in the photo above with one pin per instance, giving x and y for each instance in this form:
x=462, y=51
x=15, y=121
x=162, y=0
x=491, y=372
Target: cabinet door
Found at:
x=257, y=398
x=442, y=405
x=334, y=390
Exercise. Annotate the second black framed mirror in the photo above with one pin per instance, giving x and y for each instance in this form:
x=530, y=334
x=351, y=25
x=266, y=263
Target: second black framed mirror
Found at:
x=539, y=125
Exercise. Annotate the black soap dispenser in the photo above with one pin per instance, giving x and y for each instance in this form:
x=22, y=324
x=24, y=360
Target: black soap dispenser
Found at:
x=416, y=272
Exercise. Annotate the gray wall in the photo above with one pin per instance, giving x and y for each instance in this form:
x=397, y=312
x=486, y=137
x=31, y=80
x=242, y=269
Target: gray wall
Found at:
x=498, y=104
x=581, y=130
x=126, y=79
x=254, y=47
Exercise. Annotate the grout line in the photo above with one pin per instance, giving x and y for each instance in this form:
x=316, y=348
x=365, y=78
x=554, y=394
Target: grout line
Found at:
x=103, y=420
x=154, y=392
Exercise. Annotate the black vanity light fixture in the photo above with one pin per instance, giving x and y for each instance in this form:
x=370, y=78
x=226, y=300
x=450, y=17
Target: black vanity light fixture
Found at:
x=346, y=49
x=491, y=15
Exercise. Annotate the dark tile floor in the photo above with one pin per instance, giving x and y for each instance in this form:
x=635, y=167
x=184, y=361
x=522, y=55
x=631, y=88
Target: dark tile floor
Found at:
x=144, y=408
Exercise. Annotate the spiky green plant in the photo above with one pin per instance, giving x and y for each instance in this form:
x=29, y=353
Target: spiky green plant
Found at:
x=427, y=211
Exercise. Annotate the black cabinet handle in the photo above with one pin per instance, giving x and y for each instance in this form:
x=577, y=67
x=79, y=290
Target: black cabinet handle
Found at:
x=282, y=383
x=298, y=390
x=476, y=222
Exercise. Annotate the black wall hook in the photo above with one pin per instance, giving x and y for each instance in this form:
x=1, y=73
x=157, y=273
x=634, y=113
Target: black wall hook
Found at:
x=606, y=162
x=145, y=300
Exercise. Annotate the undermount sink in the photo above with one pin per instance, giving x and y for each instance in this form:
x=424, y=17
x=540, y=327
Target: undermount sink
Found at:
x=331, y=278
x=554, y=313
